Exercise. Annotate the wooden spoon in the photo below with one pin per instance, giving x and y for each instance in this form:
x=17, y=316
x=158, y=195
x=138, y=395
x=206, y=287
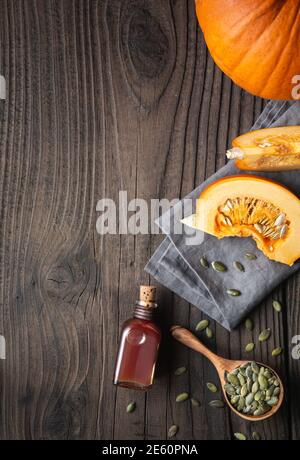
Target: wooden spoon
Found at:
x=221, y=364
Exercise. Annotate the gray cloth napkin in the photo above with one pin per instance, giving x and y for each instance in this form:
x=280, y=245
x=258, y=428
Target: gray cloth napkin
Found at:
x=176, y=262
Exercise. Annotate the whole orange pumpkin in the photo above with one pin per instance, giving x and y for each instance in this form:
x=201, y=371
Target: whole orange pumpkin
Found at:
x=256, y=43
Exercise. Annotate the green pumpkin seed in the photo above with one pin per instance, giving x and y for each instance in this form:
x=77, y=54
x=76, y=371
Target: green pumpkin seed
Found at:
x=217, y=403
x=230, y=390
x=264, y=335
x=240, y=436
x=277, y=351
x=254, y=367
x=241, y=403
x=238, y=266
x=172, y=431
x=255, y=388
x=250, y=256
x=204, y=262
x=258, y=395
x=249, y=347
x=195, y=402
x=241, y=378
x=233, y=379
x=131, y=407
x=219, y=266
x=273, y=401
x=276, y=391
x=212, y=387
x=209, y=333
x=235, y=399
x=203, y=324
x=256, y=436
x=277, y=306
x=180, y=370
x=258, y=412
x=249, y=399
x=249, y=324
x=233, y=292
x=182, y=397
x=244, y=391
x=263, y=382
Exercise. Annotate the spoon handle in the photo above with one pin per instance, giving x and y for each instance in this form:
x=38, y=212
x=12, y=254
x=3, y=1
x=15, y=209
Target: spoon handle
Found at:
x=190, y=340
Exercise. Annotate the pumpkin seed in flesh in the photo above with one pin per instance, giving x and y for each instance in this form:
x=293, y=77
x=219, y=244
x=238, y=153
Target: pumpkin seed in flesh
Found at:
x=219, y=266
x=131, y=407
x=204, y=262
x=277, y=306
x=182, y=397
x=172, y=431
x=212, y=387
x=249, y=347
x=202, y=325
x=238, y=266
x=233, y=292
x=250, y=256
x=180, y=370
x=218, y=403
x=249, y=324
x=240, y=436
x=277, y=351
x=264, y=335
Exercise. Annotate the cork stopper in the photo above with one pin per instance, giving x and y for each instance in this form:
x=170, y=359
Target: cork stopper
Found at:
x=148, y=294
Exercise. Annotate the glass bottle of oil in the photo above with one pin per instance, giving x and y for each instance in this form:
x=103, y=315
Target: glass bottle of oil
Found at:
x=139, y=344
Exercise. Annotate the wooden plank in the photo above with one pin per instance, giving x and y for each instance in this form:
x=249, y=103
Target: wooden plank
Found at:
x=102, y=97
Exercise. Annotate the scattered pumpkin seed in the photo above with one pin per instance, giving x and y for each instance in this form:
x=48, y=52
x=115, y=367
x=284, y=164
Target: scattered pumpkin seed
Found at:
x=131, y=407
x=249, y=347
x=256, y=436
x=218, y=266
x=182, y=397
x=238, y=266
x=209, y=333
x=233, y=292
x=172, y=431
x=250, y=256
x=204, y=262
x=277, y=351
x=180, y=370
x=202, y=325
x=240, y=436
x=277, y=306
x=195, y=402
x=212, y=387
x=249, y=324
x=217, y=403
x=264, y=335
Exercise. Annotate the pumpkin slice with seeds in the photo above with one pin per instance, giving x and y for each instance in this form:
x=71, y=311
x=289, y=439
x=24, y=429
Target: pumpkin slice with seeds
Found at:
x=245, y=206
x=269, y=149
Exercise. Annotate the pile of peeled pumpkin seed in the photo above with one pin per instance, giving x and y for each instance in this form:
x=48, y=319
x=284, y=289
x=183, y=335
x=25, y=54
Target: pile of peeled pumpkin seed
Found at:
x=252, y=389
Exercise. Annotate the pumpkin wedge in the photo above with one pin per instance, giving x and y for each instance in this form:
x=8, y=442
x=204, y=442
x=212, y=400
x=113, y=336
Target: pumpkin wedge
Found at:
x=245, y=206
x=271, y=149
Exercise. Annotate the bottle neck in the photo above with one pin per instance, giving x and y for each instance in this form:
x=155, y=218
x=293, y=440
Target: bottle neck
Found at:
x=144, y=310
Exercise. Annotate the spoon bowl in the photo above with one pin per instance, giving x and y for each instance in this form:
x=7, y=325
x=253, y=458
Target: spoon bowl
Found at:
x=222, y=365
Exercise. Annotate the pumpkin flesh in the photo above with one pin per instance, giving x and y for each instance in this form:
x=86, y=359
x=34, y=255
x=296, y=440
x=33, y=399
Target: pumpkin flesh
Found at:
x=271, y=149
x=244, y=206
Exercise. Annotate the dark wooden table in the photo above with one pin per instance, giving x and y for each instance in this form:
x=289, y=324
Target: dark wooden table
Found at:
x=102, y=96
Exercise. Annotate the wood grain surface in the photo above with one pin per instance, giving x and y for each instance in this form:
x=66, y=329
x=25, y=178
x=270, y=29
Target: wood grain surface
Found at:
x=102, y=96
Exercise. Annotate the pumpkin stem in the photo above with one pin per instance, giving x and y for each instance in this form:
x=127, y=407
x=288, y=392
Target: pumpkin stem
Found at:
x=235, y=154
